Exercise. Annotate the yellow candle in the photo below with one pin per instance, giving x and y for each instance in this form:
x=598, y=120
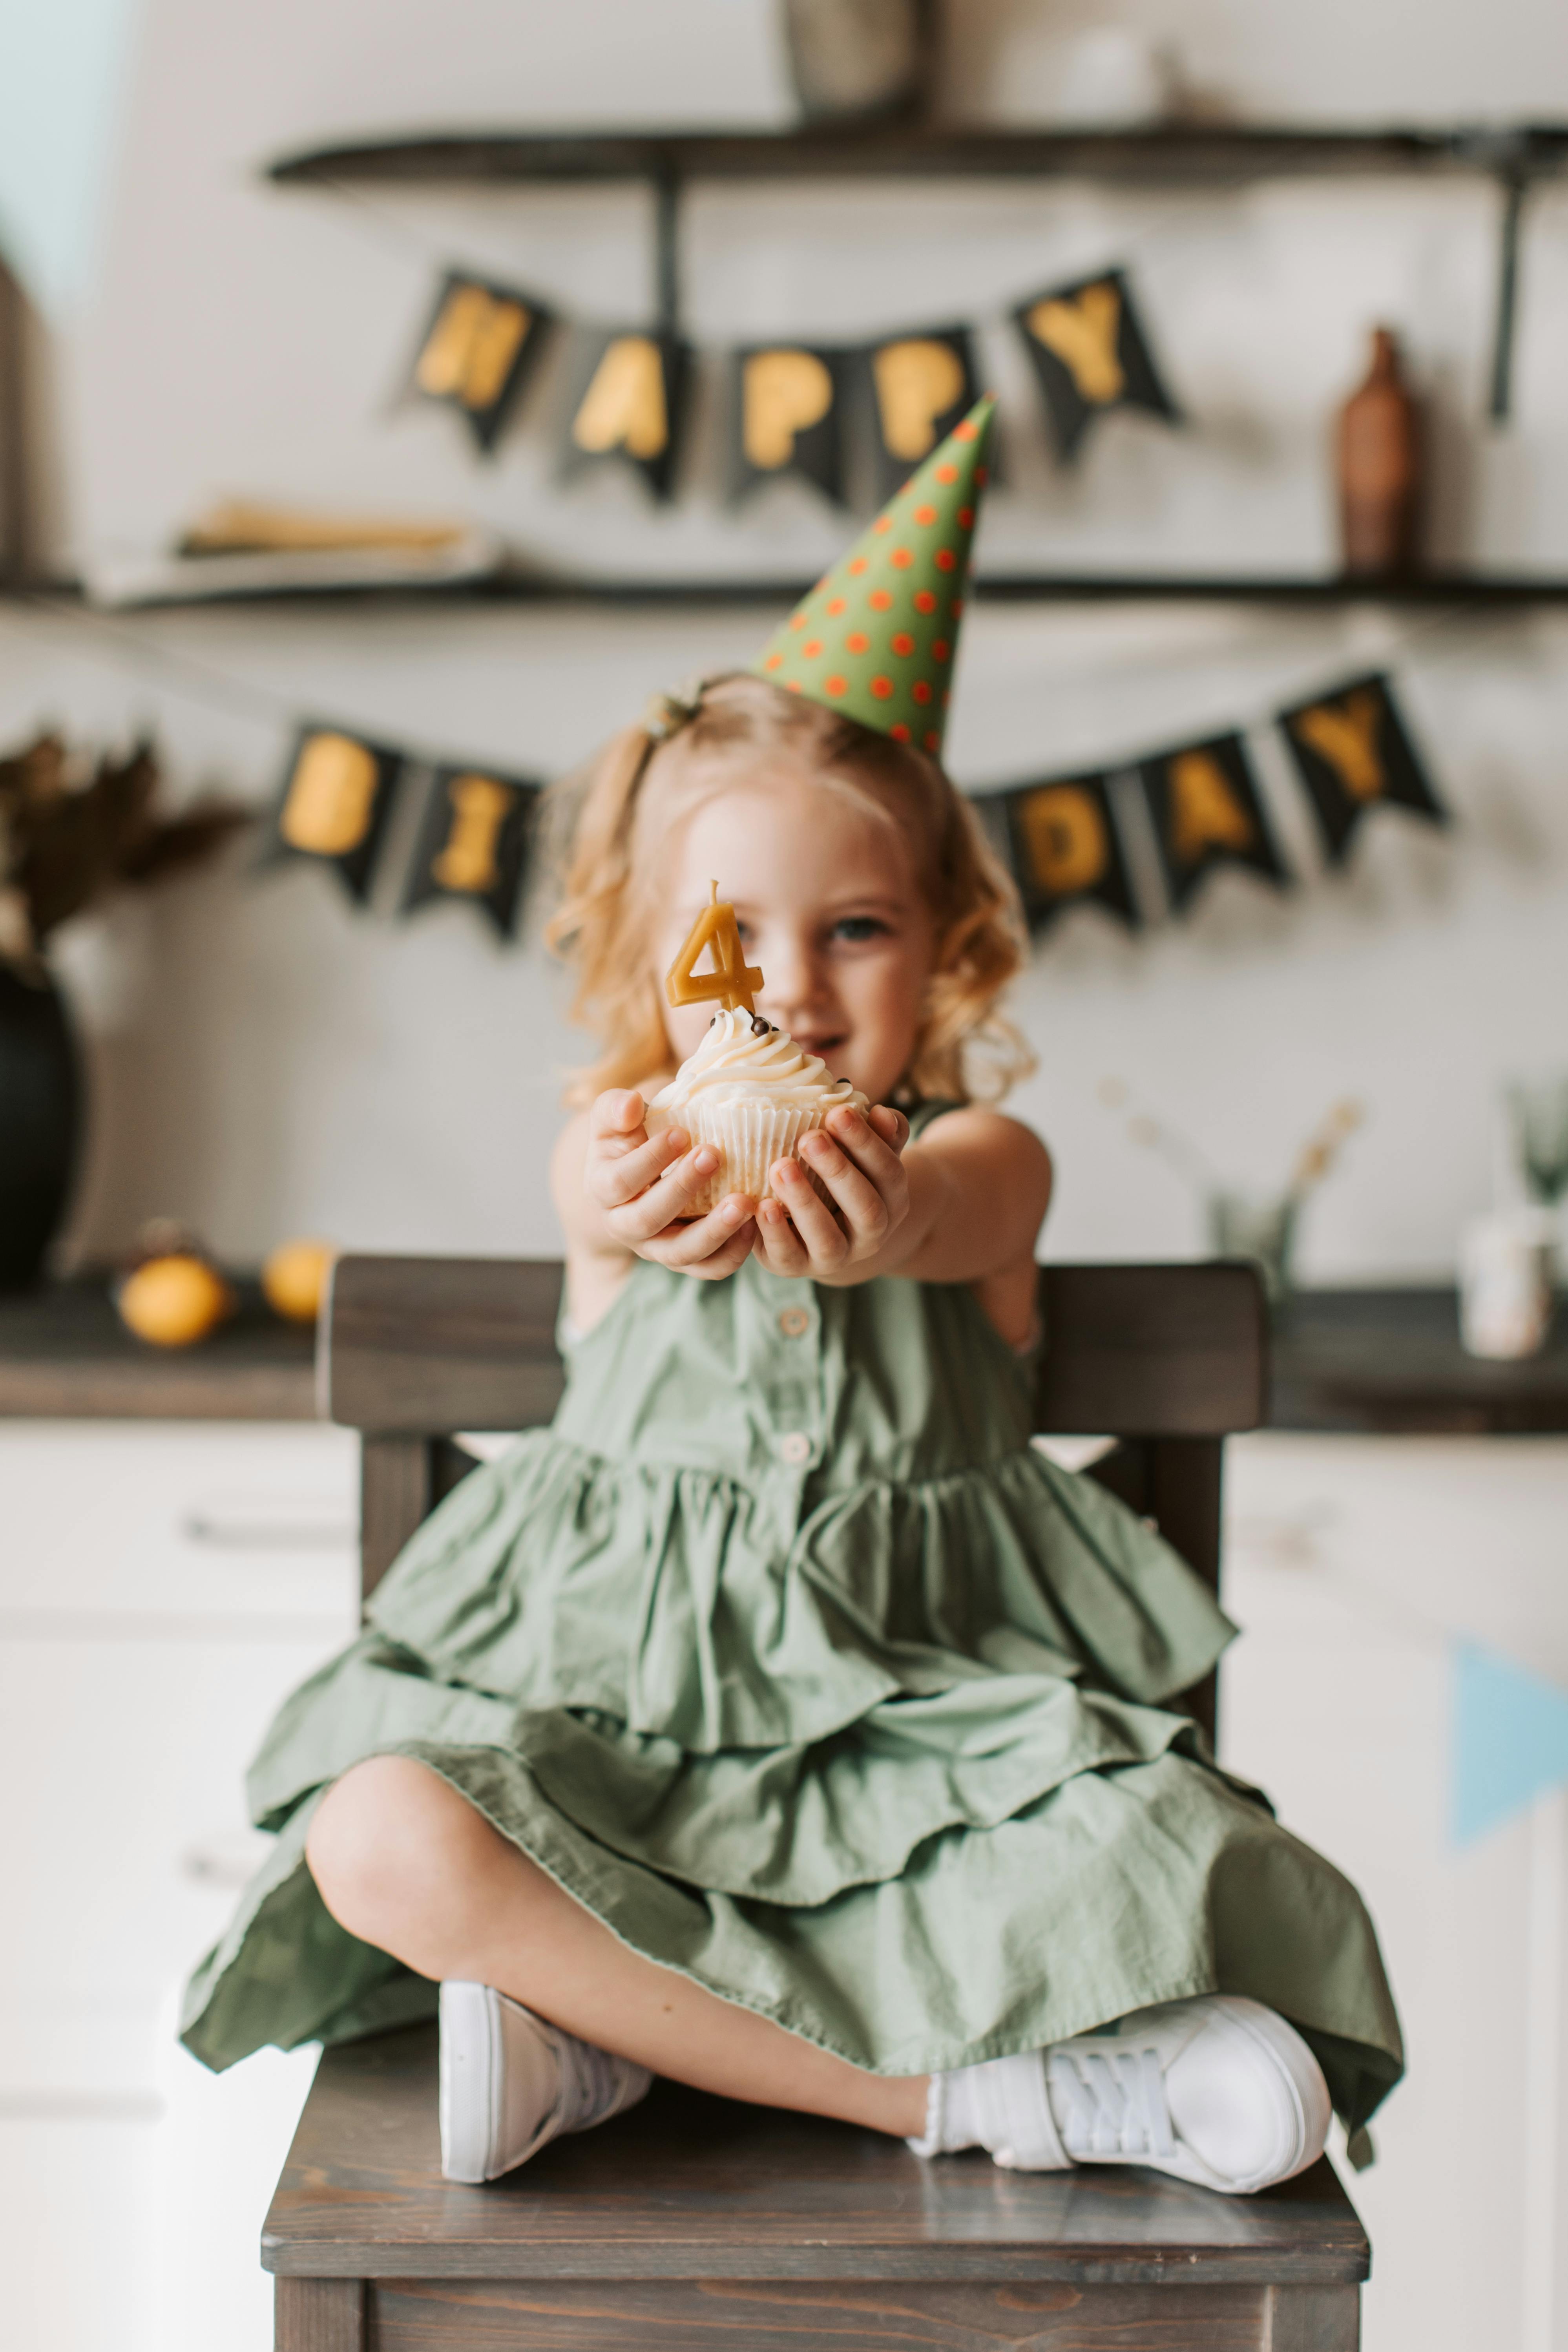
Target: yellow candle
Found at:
x=734, y=983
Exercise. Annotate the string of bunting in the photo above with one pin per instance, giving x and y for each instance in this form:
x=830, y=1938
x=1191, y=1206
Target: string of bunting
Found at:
x=335, y=800
x=475, y=830
x=795, y=408
x=1063, y=837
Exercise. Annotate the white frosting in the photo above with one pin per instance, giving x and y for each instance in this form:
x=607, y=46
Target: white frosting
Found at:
x=734, y=1064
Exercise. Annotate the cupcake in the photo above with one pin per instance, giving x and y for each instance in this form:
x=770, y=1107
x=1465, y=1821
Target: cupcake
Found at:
x=751, y=1093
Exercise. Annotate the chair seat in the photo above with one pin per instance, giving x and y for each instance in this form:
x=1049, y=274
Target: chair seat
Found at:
x=695, y=2221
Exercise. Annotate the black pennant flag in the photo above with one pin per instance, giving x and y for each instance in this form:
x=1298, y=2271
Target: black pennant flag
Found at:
x=627, y=401
x=786, y=418
x=1091, y=354
x=1353, y=753
x=1064, y=850
x=1204, y=801
x=922, y=386
x=480, y=344
x=336, y=797
x=473, y=844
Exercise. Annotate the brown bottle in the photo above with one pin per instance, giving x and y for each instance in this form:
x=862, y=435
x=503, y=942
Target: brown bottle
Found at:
x=1378, y=458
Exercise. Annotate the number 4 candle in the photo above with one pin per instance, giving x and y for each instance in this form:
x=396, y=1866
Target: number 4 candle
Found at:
x=734, y=983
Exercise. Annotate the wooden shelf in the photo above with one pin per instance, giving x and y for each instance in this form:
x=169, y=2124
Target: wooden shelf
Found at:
x=1370, y=1363
x=1389, y=1363
x=1492, y=592
x=1178, y=154
x=1198, y=154
x=65, y=1355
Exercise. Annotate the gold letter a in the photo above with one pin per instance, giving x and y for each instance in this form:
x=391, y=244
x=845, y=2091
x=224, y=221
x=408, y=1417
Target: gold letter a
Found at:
x=624, y=408
x=1205, y=810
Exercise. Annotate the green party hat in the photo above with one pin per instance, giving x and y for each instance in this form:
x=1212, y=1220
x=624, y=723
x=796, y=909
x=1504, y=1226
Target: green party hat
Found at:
x=876, y=636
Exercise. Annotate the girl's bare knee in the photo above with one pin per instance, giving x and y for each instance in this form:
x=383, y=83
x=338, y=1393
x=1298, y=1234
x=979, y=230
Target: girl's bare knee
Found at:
x=387, y=1843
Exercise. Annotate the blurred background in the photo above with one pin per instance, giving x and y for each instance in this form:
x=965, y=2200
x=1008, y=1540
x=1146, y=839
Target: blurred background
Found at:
x=246, y=499
x=194, y=333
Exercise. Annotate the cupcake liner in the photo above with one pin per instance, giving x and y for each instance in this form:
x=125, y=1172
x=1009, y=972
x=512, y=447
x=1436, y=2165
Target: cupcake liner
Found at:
x=749, y=1137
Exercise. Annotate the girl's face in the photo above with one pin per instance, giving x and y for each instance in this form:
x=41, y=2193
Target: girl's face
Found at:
x=828, y=906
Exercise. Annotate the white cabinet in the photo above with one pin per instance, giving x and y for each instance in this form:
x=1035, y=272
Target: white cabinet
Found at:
x=161, y=1588
x=155, y=1526
x=1352, y=1564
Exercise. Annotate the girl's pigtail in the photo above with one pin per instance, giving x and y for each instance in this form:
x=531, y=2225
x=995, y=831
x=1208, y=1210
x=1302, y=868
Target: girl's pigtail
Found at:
x=593, y=812
x=593, y=819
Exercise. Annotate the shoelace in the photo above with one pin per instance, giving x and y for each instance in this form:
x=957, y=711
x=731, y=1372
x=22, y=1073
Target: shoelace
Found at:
x=1112, y=2104
x=591, y=2082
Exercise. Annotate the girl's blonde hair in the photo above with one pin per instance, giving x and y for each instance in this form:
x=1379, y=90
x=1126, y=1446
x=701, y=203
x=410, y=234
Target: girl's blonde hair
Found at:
x=607, y=822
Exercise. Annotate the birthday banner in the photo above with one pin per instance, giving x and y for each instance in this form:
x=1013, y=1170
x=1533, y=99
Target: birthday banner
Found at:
x=805, y=410
x=1352, y=752
x=475, y=836
x=626, y=404
x=786, y=417
x=1061, y=842
x=1204, y=801
x=336, y=797
x=481, y=343
x=1065, y=839
x=474, y=841
x=1091, y=354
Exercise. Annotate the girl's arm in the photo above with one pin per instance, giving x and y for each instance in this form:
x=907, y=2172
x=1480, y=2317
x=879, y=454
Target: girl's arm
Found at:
x=963, y=1204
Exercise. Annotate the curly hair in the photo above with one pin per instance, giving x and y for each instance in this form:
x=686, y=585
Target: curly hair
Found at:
x=606, y=823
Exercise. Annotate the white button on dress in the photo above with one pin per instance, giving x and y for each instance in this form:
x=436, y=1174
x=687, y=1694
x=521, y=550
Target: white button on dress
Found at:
x=794, y=1446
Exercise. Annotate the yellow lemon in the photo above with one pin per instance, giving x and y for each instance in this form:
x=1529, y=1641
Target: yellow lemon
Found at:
x=172, y=1301
x=295, y=1279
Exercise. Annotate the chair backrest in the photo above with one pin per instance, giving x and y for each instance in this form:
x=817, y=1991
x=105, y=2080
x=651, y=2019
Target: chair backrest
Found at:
x=1167, y=1359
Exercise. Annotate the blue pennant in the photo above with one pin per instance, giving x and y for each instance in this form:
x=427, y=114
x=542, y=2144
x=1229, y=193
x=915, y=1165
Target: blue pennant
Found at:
x=1509, y=1740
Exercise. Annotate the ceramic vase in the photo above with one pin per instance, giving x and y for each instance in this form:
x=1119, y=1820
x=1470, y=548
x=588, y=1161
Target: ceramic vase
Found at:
x=852, y=58
x=1378, y=455
x=1262, y=1231
x=1505, y=1284
x=40, y=1121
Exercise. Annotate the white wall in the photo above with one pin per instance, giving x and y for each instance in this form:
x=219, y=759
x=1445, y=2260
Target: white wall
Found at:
x=296, y=1065
x=1331, y=61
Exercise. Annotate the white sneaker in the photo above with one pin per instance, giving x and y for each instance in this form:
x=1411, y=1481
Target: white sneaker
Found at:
x=1217, y=2090
x=509, y=2083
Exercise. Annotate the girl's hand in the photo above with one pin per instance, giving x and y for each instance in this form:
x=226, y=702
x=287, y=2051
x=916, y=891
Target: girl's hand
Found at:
x=643, y=1187
x=859, y=1162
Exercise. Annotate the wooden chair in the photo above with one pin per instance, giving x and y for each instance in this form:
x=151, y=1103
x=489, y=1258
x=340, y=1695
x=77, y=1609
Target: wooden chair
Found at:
x=695, y=2222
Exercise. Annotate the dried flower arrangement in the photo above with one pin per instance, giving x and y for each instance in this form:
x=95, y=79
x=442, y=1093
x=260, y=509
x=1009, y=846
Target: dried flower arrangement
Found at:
x=1238, y=1226
x=71, y=833
x=1313, y=1161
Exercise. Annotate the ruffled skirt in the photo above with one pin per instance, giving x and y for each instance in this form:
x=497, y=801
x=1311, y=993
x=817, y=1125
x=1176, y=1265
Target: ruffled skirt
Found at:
x=900, y=1777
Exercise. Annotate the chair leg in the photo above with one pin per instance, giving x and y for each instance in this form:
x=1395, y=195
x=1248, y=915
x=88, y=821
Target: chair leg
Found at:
x=1312, y=2319
x=314, y=2315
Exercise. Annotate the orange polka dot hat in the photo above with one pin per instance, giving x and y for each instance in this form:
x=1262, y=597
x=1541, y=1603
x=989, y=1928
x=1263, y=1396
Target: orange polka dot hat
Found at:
x=876, y=636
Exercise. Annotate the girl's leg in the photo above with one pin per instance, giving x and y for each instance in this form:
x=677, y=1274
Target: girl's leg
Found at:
x=405, y=1863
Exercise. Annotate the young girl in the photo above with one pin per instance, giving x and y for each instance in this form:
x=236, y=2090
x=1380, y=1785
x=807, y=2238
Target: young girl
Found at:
x=780, y=1720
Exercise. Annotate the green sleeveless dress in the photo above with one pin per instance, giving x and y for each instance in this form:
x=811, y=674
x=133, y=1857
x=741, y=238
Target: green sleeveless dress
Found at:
x=786, y=1652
